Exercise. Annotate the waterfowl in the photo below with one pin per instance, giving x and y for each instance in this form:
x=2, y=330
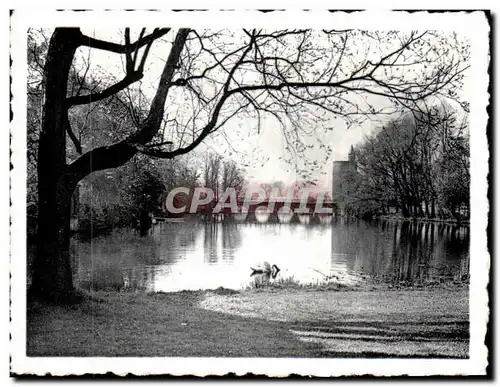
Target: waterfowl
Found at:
x=266, y=268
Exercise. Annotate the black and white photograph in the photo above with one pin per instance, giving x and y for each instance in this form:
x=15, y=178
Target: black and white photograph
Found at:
x=245, y=192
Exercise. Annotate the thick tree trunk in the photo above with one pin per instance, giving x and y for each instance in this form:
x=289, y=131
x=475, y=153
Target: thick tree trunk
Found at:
x=52, y=278
x=145, y=222
x=52, y=273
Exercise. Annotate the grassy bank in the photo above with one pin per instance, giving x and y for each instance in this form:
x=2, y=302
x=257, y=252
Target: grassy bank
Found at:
x=262, y=322
x=130, y=324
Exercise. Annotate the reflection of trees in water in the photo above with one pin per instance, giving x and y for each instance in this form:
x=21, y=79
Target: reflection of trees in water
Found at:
x=109, y=261
x=393, y=251
x=187, y=237
x=231, y=240
x=269, y=229
x=372, y=244
x=456, y=249
x=422, y=254
x=173, y=239
x=210, y=243
x=221, y=241
x=98, y=263
x=412, y=252
x=306, y=229
x=402, y=252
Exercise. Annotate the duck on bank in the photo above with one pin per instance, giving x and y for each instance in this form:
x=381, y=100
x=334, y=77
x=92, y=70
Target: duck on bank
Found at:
x=265, y=268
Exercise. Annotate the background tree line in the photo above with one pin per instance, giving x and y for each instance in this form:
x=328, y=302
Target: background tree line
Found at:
x=215, y=172
x=417, y=165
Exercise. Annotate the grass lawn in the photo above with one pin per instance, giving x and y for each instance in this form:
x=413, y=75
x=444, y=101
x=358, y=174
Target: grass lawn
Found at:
x=255, y=323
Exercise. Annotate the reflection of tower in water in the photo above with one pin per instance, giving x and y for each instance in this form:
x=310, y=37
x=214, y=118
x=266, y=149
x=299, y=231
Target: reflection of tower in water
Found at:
x=343, y=253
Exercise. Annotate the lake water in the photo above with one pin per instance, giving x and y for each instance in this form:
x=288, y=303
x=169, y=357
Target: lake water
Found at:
x=193, y=255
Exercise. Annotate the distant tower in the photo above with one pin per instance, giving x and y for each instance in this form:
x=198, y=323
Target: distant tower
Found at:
x=342, y=173
x=338, y=172
x=352, y=157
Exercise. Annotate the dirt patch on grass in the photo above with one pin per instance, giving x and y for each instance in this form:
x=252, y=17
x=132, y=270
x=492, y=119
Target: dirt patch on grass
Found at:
x=362, y=323
x=299, y=305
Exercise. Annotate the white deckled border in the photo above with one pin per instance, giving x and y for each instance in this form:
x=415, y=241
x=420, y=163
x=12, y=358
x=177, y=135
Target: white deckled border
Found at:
x=475, y=25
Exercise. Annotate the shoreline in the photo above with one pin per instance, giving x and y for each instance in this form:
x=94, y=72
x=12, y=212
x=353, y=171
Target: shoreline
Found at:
x=450, y=221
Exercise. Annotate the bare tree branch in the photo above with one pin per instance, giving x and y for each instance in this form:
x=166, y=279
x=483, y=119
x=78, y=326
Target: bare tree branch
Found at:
x=119, y=153
x=122, y=48
x=108, y=92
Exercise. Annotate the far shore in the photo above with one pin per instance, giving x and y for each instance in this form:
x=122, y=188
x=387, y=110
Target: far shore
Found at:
x=451, y=221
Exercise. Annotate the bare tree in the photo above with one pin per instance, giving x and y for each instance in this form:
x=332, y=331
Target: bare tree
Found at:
x=213, y=173
x=232, y=176
x=415, y=162
x=302, y=78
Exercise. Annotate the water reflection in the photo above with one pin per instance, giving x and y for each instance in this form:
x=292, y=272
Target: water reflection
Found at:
x=196, y=255
x=231, y=240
